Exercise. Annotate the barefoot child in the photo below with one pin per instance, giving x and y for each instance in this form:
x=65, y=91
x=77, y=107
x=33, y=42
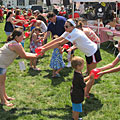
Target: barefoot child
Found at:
x=57, y=63
x=35, y=41
x=79, y=86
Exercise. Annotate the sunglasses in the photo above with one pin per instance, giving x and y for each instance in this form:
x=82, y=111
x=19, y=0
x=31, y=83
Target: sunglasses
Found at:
x=66, y=26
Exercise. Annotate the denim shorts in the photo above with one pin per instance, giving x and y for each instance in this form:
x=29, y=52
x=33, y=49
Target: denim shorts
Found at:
x=8, y=33
x=2, y=71
x=77, y=107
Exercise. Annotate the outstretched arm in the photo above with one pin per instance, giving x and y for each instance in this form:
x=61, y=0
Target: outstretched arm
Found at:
x=17, y=47
x=111, y=65
x=53, y=41
x=115, y=69
x=54, y=44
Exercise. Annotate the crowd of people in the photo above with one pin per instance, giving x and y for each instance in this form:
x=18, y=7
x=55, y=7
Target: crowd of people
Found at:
x=62, y=31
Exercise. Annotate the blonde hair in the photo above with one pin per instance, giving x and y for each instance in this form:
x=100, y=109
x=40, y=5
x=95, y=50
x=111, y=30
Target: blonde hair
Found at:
x=76, y=60
x=35, y=29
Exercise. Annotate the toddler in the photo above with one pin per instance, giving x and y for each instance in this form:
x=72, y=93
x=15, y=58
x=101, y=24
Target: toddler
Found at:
x=79, y=86
x=57, y=63
x=35, y=41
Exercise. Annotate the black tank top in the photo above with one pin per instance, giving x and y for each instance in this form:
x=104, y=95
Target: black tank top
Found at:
x=8, y=27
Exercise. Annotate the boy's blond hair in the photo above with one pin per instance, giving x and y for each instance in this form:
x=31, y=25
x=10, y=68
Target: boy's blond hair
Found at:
x=76, y=60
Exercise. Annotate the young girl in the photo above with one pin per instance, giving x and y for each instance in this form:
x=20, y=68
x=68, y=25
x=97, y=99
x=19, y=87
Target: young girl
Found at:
x=79, y=88
x=35, y=41
x=57, y=62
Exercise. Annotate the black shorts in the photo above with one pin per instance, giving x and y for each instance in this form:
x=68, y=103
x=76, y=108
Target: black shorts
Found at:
x=94, y=58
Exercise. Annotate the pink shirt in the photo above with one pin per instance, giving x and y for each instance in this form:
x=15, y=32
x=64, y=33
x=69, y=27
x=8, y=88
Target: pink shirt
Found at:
x=91, y=35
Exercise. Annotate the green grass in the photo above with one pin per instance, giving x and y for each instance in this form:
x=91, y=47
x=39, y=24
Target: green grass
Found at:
x=40, y=97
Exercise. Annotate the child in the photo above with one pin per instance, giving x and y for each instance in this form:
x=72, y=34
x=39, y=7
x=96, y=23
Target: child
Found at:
x=35, y=42
x=57, y=62
x=79, y=86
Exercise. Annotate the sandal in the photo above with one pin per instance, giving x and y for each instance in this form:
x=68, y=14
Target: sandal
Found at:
x=37, y=69
x=57, y=75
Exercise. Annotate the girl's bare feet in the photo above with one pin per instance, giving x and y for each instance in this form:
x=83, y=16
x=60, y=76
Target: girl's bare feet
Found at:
x=7, y=104
x=10, y=98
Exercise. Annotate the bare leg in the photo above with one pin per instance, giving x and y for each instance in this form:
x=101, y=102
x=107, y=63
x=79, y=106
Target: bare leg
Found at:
x=91, y=66
x=34, y=63
x=58, y=70
x=75, y=115
x=89, y=84
x=53, y=74
x=3, y=94
x=31, y=63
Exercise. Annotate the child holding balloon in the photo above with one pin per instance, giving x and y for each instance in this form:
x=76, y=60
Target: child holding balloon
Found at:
x=57, y=63
x=79, y=88
x=35, y=41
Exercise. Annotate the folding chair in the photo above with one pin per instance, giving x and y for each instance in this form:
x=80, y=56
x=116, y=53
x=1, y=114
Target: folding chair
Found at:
x=116, y=39
x=110, y=37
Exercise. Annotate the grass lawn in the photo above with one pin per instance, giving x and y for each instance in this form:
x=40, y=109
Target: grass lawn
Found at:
x=41, y=97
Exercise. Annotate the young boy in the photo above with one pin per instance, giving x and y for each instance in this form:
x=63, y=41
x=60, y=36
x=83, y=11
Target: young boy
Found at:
x=79, y=86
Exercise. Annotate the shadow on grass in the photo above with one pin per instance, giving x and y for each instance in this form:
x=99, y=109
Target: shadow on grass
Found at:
x=33, y=72
x=3, y=42
x=92, y=104
x=58, y=80
x=97, y=81
x=11, y=114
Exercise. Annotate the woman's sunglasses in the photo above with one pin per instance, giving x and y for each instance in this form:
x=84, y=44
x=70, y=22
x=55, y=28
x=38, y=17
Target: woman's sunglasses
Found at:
x=66, y=26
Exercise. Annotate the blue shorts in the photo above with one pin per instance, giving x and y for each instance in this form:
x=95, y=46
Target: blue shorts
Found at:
x=77, y=107
x=2, y=71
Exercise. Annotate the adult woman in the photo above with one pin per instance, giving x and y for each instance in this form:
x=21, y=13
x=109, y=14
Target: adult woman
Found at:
x=110, y=68
x=9, y=25
x=92, y=36
x=81, y=41
x=8, y=53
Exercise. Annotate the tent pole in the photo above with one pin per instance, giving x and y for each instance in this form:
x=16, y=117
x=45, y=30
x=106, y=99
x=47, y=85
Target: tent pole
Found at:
x=73, y=10
x=116, y=9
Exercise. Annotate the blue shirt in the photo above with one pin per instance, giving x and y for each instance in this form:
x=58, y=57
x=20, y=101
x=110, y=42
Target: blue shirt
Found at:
x=58, y=27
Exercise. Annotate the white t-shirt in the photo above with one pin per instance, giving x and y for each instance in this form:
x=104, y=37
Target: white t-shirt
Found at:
x=43, y=27
x=81, y=41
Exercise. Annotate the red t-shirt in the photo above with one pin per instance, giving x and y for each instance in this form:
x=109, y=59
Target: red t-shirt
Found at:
x=29, y=14
x=20, y=18
x=1, y=14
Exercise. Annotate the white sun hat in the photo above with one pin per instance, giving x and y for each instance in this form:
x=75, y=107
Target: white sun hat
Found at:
x=72, y=22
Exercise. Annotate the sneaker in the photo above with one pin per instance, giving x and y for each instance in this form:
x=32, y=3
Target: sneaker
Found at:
x=80, y=119
x=69, y=64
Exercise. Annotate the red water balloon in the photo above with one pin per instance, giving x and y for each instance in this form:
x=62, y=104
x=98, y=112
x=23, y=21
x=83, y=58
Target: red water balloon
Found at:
x=95, y=72
x=26, y=25
x=66, y=46
x=38, y=51
x=27, y=34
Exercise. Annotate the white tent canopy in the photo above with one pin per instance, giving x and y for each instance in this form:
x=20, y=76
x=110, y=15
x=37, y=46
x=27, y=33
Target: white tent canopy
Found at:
x=96, y=0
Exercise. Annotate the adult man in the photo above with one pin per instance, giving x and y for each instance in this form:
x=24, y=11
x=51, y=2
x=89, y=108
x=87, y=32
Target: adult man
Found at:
x=55, y=25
